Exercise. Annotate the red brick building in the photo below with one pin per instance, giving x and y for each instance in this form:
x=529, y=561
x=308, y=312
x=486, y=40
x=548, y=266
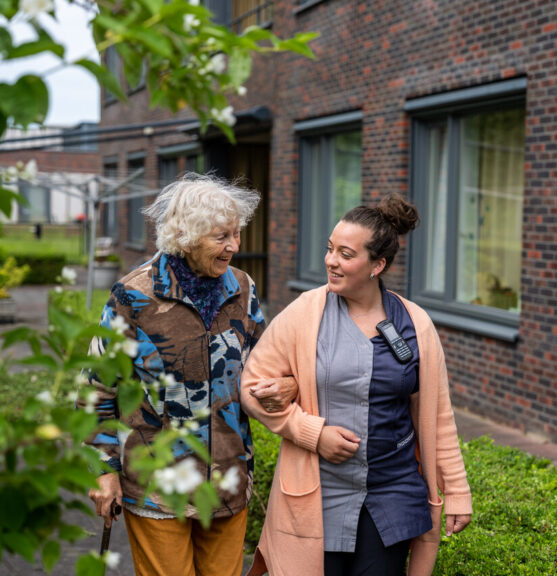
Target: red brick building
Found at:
x=451, y=102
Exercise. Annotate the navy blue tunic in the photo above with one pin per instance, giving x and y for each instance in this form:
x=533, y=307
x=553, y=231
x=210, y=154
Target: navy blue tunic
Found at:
x=396, y=492
x=361, y=386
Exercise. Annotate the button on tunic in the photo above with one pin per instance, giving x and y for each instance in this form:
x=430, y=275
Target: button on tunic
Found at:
x=362, y=387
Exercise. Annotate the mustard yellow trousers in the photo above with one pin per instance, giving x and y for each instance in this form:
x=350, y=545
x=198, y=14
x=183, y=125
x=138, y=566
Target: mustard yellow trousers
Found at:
x=173, y=548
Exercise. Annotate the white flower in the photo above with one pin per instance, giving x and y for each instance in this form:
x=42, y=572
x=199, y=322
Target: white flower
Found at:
x=45, y=397
x=192, y=425
x=58, y=290
x=225, y=116
x=92, y=397
x=89, y=409
x=194, y=2
x=72, y=396
x=130, y=347
x=217, y=64
x=190, y=21
x=202, y=413
x=68, y=275
x=12, y=172
x=167, y=380
x=69, y=310
x=81, y=379
x=165, y=479
x=242, y=90
x=188, y=477
x=111, y=559
x=230, y=480
x=34, y=378
x=119, y=325
x=30, y=171
x=35, y=7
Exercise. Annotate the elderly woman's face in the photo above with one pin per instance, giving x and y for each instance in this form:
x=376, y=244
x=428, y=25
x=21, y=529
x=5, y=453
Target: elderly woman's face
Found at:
x=211, y=256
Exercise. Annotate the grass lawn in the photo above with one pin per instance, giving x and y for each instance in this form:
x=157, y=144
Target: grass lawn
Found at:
x=20, y=239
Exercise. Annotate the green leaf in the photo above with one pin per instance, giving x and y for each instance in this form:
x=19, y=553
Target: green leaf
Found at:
x=5, y=41
x=130, y=396
x=71, y=532
x=26, y=101
x=292, y=45
x=20, y=544
x=40, y=360
x=13, y=509
x=153, y=6
x=7, y=196
x=51, y=554
x=44, y=44
x=104, y=77
x=23, y=334
x=90, y=565
x=69, y=326
x=205, y=500
x=239, y=67
x=79, y=477
x=152, y=40
x=104, y=20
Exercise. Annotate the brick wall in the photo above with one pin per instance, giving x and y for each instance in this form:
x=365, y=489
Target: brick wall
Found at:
x=373, y=56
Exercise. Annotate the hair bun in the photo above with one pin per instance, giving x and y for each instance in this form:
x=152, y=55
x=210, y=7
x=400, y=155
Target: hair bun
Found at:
x=400, y=213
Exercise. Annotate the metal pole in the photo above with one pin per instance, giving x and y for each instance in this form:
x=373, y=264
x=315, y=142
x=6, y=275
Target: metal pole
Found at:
x=93, y=205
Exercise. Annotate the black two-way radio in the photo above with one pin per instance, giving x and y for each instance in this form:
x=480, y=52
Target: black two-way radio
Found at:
x=396, y=342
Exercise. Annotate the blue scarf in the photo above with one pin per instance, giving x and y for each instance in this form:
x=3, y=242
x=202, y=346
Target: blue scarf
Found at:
x=204, y=292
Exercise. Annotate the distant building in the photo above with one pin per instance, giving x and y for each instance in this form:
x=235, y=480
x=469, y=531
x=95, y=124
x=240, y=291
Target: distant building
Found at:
x=67, y=163
x=453, y=104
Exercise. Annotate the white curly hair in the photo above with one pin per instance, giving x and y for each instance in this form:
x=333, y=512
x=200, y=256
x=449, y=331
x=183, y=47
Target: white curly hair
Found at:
x=191, y=207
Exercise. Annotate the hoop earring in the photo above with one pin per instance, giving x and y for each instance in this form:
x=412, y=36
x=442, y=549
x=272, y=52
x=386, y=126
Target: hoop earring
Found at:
x=372, y=276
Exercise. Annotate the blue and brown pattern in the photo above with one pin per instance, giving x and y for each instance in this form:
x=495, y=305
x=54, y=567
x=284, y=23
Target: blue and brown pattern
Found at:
x=206, y=363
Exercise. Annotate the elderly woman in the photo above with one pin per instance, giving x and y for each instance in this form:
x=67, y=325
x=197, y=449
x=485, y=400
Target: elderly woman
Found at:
x=195, y=318
x=371, y=442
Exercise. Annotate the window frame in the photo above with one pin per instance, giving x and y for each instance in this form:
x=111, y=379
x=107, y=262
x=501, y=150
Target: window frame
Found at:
x=137, y=243
x=323, y=128
x=453, y=107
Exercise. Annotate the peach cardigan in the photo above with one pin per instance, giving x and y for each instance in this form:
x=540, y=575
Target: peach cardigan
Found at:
x=292, y=537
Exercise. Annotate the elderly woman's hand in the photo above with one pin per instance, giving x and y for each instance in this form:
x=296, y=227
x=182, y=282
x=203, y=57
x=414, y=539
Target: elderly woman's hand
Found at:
x=110, y=491
x=275, y=394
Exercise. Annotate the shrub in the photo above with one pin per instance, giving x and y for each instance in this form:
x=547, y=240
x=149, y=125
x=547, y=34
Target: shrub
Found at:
x=266, y=446
x=515, y=510
x=42, y=269
x=515, y=516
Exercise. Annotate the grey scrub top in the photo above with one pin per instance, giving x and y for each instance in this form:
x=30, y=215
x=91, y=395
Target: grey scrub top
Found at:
x=383, y=476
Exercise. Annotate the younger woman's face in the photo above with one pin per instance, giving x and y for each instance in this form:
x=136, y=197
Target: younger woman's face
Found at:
x=347, y=259
x=212, y=254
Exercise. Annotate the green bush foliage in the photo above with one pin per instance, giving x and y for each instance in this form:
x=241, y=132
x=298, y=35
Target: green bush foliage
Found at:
x=515, y=516
x=42, y=269
x=515, y=510
x=266, y=446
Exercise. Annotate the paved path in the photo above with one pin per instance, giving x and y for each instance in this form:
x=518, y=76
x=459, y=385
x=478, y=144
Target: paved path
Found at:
x=31, y=302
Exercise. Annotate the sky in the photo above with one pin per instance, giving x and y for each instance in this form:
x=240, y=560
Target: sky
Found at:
x=74, y=93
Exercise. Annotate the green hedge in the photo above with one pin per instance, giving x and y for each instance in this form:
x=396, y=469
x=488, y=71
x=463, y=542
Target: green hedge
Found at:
x=42, y=269
x=515, y=510
x=266, y=446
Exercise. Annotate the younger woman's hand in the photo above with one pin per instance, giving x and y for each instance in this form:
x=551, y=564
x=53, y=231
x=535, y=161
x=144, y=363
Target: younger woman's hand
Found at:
x=337, y=444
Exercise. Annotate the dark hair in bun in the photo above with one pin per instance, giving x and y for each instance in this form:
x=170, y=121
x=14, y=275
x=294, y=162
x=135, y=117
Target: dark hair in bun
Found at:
x=391, y=218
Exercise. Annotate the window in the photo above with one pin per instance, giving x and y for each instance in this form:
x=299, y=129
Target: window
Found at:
x=330, y=184
x=110, y=212
x=136, y=221
x=468, y=183
x=175, y=160
x=239, y=14
x=112, y=62
x=38, y=198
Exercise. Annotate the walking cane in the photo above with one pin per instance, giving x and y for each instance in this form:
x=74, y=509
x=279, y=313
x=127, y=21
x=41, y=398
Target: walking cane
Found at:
x=115, y=510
